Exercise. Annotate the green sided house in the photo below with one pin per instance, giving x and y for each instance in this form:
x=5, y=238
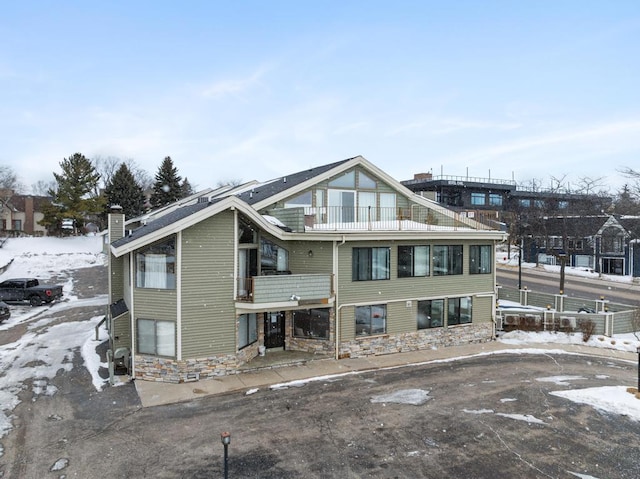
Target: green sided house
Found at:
x=339, y=260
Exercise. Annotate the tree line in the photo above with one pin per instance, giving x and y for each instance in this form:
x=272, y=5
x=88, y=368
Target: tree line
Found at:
x=85, y=190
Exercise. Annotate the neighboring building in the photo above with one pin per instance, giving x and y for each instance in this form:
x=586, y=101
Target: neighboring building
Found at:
x=338, y=260
x=20, y=214
x=501, y=198
x=604, y=243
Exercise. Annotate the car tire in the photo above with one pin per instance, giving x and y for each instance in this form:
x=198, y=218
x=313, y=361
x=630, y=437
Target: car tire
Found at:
x=35, y=301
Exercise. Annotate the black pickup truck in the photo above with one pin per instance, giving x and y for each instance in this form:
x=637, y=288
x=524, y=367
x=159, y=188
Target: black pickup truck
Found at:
x=29, y=289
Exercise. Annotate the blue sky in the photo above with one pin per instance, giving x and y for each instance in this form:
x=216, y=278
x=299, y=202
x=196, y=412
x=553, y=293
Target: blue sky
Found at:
x=257, y=89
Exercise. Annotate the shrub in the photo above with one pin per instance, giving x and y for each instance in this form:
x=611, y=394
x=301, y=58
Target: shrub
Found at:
x=587, y=328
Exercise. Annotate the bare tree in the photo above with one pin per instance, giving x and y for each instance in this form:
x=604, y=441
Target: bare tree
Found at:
x=232, y=182
x=9, y=179
x=42, y=188
x=588, y=186
x=106, y=166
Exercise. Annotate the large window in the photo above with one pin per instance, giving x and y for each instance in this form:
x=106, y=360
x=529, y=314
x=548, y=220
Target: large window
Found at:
x=430, y=313
x=311, y=323
x=413, y=261
x=371, y=320
x=156, y=266
x=480, y=259
x=370, y=264
x=447, y=260
x=247, y=329
x=156, y=337
x=459, y=310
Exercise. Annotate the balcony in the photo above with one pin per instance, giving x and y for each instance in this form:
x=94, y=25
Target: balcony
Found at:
x=286, y=288
x=413, y=218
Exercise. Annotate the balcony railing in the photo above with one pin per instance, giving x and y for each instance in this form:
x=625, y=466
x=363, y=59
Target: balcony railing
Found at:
x=414, y=218
x=286, y=288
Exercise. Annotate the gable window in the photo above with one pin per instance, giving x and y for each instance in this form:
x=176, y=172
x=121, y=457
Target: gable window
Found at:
x=413, y=261
x=247, y=329
x=459, y=311
x=430, y=313
x=477, y=199
x=156, y=337
x=156, y=266
x=365, y=181
x=612, y=241
x=371, y=320
x=348, y=180
x=447, y=259
x=480, y=259
x=311, y=323
x=302, y=200
x=370, y=264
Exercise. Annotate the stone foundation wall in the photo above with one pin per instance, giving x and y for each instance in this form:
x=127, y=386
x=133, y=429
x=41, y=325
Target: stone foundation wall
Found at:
x=316, y=346
x=172, y=371
x=415, y=341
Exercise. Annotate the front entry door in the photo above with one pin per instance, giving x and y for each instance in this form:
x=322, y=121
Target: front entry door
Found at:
x=274, y=330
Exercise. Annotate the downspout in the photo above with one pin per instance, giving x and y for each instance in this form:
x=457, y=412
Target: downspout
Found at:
x=133, y=316
x=179, y=295
x=335, y=280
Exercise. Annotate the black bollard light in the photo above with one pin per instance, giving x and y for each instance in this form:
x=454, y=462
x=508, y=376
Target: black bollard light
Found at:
x=225, y=437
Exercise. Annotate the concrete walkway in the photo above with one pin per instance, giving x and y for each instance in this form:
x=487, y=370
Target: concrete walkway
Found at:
x=159, y=393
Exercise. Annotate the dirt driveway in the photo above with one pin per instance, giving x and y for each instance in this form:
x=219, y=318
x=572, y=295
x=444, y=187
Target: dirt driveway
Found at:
x=475, y=418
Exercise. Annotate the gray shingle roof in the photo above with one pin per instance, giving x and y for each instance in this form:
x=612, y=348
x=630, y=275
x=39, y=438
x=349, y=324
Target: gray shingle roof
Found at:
x=278, y=185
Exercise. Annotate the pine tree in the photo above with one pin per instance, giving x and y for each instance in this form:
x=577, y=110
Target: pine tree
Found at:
x=166, y=188
x=124, y=190
x=74, y=195
x=186, y=188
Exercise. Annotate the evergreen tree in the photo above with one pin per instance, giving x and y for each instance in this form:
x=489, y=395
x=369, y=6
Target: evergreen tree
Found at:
x=187, y=189
x=626, y=203
x=74, y=195
x=123, y=190
x=166, y=188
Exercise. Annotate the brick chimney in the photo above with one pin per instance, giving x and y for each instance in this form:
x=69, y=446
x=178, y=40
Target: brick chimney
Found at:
x=423, y=176
x=28, y=215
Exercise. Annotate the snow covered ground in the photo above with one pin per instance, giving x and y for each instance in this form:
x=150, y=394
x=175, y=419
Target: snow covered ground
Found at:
x=27, y=363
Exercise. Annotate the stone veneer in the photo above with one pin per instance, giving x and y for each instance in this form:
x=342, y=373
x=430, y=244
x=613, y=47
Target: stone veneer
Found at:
x=415, y=341
x=149, y=368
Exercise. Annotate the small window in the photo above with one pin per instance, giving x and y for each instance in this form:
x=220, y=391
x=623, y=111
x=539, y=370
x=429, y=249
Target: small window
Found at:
x=311, y=323
x=430, y=314
x=247, y=329
x=371, y=320
x=477, y=199
x=447, y=260
x=413, y=261
x=459, y=311
x=273, y=258
x=563, y=205
x=495, y=199
x=370, y=264
x=156, y=266
x=157, y=338
x=480, y=259
x=525, y=203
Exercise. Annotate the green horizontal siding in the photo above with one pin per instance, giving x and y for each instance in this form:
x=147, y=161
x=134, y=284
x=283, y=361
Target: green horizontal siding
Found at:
x=208, y=310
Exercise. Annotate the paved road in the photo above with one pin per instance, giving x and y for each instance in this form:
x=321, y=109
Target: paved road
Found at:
x=575, y=286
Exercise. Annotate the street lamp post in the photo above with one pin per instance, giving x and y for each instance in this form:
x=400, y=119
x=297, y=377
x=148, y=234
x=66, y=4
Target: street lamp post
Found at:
x=638, y=369
x=520, y=263
x=225, y=437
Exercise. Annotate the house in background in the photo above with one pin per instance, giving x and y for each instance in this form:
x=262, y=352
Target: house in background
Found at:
x=340, y=260
x=606, y=244
x=20, y=214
